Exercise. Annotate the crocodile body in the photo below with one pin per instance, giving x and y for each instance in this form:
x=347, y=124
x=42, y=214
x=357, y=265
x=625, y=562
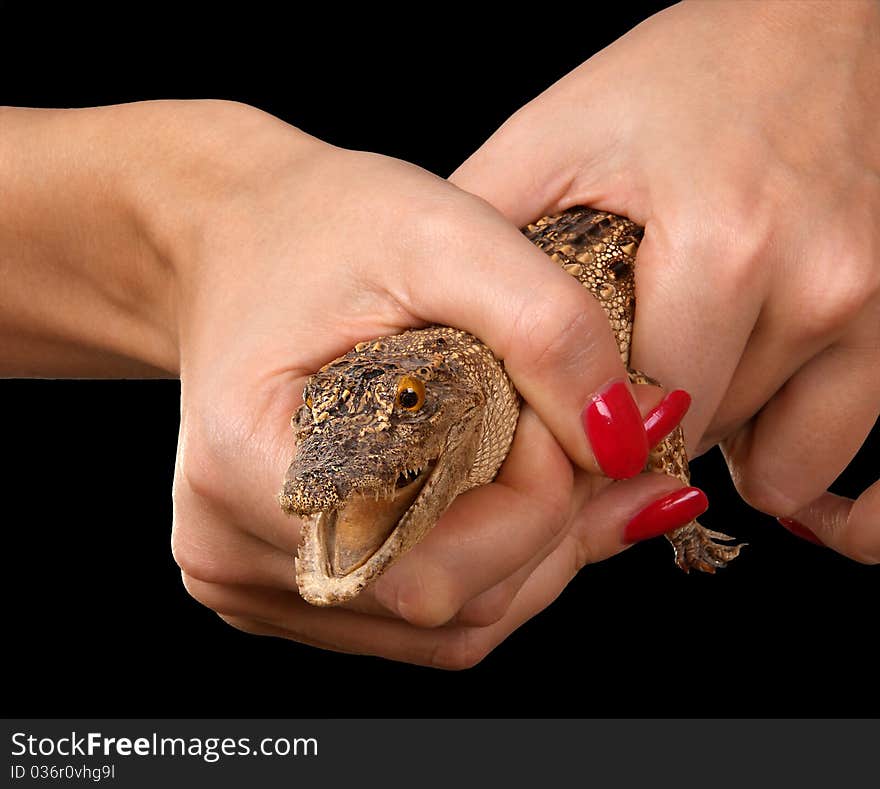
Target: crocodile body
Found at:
x=390, y=433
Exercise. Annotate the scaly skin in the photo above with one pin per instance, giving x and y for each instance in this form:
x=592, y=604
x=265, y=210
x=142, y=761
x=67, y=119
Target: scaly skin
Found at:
x=599, y=250
x=393, y=431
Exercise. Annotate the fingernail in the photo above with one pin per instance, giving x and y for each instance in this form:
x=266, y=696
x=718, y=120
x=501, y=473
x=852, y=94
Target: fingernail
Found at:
x=798, y=529
x=666, y=416
x=614, y=428
x=673, y=510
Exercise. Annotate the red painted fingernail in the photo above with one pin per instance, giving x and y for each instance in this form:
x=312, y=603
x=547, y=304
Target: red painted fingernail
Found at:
x=614, y=428
x=799, y=530
x=673, y=510
x=666, y=416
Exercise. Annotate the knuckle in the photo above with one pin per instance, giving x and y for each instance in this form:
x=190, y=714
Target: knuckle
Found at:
x=425, y=222
x=583, y=553
x=194, y=559
x=555, y=510
x=216, y=597
x=854, y=546
x=763, y=491
x=181, y=551
x=213, y=445
x=741, y=263
x=687, y=236
x=431, y=222
x=199, y=472
x=420, y=601
x=196, y=589
x=245, y=625
x=200, y=458
x=489, y=607
x=515, y=137
x=834, y=306
x=740, y=271
x=550, y=518
x=562, y=332
x=429, y=615
x=458, y=650
x=432, y=611
x=831, y=303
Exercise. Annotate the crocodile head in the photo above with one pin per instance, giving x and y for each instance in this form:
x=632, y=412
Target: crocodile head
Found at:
x=387, y=437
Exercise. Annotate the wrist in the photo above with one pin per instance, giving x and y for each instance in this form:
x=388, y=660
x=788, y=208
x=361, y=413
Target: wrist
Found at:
x=101, y=211
x=83, y=294
x=223, y=170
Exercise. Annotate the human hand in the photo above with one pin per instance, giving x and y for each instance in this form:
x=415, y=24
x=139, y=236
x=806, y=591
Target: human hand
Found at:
x=298, y=252
x=210, y=239
x=745, y=137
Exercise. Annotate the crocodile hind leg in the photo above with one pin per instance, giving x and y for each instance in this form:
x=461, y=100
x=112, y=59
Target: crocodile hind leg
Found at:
x=695, y=545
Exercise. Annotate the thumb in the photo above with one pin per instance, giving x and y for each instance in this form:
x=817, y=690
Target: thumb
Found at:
x=541, y=161
x=515, y=172
x=552, y=334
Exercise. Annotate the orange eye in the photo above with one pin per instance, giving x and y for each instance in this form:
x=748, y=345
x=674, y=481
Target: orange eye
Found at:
x=410, y=393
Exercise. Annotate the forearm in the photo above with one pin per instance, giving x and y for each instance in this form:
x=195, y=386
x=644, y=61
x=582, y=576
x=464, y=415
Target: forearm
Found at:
x=100, y=209
x=84, y=294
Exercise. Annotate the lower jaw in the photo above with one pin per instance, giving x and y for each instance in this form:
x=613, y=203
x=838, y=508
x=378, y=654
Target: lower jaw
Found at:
x=350, y=537
x=323, y=580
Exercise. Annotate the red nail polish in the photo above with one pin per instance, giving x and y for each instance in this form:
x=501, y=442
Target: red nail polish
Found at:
x=614, y=428
x=673, y=510
x=666, y=416
x=799, y=530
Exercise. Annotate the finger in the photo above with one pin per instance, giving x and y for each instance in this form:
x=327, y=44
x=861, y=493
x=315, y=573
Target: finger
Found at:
x=525, y=175
x=276, y=612
x=849, y=527
x=226, y=535
x=490, y=534
x=513, y=172
x=476, y=544
x=235, y=465
x=801, y=322
x=196, y=510
x=490, y=606
x=595, y=532
x=209, y=547
x=255, y=627
x=808, y=433
x=689, y=332
x=553, y=336
x=487, y=534
x=446, y=647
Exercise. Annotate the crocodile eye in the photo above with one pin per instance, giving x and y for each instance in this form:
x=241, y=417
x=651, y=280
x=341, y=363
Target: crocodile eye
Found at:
x=410, y=393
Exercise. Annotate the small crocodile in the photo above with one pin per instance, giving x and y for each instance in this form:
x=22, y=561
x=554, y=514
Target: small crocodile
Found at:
x=390, y=433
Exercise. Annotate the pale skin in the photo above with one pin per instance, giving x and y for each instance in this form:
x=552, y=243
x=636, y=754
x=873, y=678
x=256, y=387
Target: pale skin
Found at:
x=745, y=136
x=211, y=241
x=244, y=257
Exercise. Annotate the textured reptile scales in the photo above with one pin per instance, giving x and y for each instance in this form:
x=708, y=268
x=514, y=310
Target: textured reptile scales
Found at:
x=365, y=458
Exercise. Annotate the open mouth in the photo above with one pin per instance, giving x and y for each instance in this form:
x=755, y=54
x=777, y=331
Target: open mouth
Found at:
x=352, y=534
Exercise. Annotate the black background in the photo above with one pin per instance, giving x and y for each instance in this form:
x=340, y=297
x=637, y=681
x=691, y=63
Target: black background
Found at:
x=97, y=622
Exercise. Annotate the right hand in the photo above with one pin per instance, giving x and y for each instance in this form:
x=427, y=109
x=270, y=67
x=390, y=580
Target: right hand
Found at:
x=759, y=273
x=295, y=251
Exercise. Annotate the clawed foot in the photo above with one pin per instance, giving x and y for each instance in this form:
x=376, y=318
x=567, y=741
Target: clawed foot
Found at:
x=695, y=548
